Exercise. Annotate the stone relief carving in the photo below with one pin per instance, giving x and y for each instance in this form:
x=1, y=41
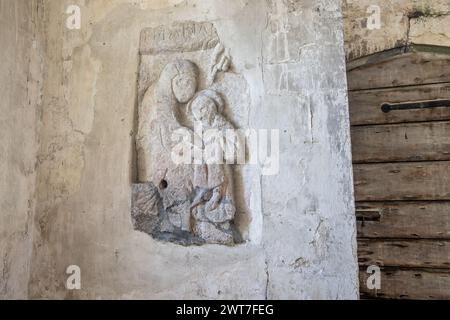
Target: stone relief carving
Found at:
x=185, y=203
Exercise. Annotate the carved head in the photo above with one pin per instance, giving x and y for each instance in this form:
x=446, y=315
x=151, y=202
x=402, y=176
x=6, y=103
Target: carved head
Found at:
x=206, y=105
x=184, y=84
x=179, y=79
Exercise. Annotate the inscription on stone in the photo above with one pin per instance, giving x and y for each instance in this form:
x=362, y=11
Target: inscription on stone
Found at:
x=180, y=37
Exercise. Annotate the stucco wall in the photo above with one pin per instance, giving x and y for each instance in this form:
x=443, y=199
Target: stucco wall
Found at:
x=20, y=70
x=303, y=230
x=402, y=22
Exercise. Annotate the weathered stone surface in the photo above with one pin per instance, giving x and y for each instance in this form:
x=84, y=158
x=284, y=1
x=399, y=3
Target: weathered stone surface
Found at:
x=297, y=227
x=432, y=30
x=402, y=22
x=145, y=207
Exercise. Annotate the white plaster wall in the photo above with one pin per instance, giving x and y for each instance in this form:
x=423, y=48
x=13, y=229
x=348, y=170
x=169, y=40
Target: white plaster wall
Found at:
x=302, y=243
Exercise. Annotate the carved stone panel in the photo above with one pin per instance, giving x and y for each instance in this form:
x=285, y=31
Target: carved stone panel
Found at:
x=186, y=91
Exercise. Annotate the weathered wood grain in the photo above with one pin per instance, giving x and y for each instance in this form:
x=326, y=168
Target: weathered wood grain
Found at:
x=411, y=68
x=402, y=171
x=401, y=142
x=404, y=253
x=404, y=219
x=402, y=181
x=365, y=106
x=408, y=284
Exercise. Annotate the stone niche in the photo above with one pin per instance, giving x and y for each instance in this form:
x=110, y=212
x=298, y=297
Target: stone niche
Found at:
x=186, y=87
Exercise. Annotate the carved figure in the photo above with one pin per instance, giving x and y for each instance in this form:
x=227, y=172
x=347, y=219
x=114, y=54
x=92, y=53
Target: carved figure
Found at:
x=214, y=207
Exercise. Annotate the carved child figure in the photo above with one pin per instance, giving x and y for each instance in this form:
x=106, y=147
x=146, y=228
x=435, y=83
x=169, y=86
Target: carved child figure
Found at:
x=213, y=207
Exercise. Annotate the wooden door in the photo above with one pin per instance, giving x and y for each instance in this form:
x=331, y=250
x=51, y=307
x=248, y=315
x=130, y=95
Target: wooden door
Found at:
x=401, y=152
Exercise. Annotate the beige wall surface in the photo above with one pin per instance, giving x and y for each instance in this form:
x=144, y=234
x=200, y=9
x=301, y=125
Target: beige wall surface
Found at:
x=20, y=81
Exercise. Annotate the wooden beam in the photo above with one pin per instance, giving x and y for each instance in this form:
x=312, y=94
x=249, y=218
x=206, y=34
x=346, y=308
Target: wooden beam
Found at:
x=404, y=253
x=402, y=181
x=429, y=220
x=365, y=106
x=401, y=142
x=408, y=284
x=408, y=69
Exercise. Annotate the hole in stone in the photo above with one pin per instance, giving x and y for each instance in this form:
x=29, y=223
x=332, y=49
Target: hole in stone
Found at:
x=163, y=185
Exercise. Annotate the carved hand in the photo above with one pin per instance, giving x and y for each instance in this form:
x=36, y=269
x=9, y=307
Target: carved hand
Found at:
x=220, y=62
